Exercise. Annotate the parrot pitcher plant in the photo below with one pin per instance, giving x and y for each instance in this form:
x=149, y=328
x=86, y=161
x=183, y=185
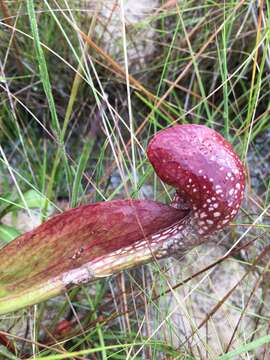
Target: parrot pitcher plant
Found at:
x=96, y=240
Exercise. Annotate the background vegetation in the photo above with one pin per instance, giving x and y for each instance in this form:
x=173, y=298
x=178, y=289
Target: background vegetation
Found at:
x=84, y=85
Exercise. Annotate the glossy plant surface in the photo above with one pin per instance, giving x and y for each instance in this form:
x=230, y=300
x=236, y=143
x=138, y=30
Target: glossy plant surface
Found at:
x=97, y=240
x=204, y=169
